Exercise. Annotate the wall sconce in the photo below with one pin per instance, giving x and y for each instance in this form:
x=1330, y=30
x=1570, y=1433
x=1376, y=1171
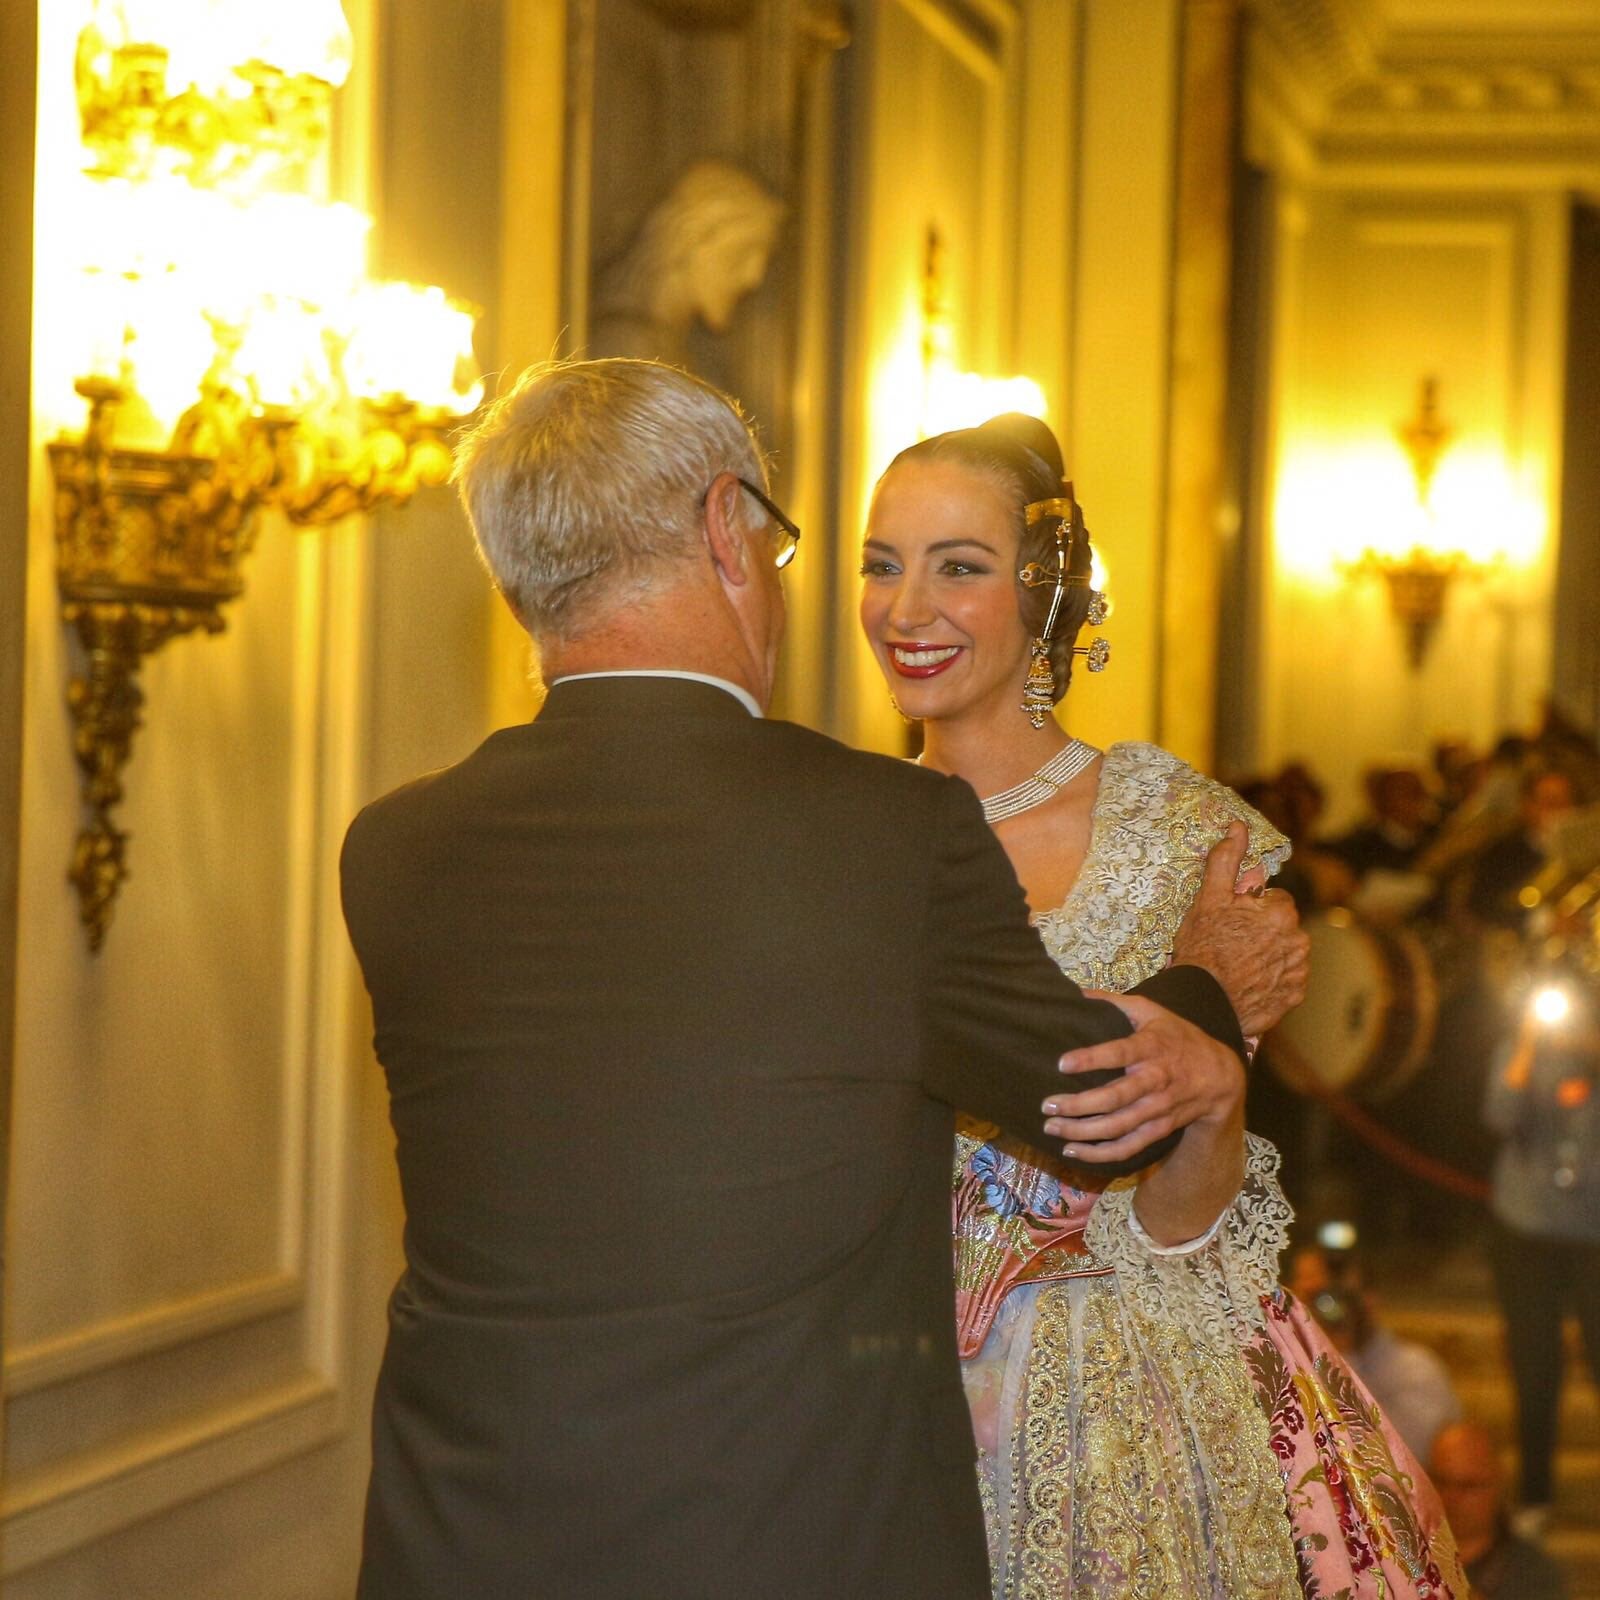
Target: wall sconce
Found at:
x=1419, y=580
x=952, y=398
x=235, y=359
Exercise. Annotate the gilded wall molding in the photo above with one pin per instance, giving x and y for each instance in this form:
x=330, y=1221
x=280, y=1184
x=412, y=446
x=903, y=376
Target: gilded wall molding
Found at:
x=280, y=1333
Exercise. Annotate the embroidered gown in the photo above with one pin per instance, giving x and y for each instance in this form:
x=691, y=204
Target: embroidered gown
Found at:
x=1165, y=1422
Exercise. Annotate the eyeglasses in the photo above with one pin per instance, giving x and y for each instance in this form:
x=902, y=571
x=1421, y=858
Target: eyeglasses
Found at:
x=788, y=530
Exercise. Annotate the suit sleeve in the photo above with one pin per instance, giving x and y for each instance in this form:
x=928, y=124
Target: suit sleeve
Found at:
x=1197, y=997
x=999, y=1011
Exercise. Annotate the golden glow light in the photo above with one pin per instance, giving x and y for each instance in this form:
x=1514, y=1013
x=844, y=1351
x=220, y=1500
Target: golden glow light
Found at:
x=1337, y=503
x=413, y=342
x=234, y=273
x=207, y=42
x=1551, y=1006
x=965, y=399
x=920, y=388
x=208, y=342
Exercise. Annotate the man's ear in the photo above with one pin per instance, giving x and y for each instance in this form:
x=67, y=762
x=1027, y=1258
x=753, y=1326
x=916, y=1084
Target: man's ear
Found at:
x=725, y=533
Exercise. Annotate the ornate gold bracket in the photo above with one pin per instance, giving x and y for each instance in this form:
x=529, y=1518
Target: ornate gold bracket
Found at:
x=1417, y=588
x=150, y=545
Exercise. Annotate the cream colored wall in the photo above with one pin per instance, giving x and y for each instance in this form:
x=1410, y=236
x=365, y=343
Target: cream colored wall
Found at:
x=1375, y=289
x=1118, y=410
x=204, y=1217
x=1051, y=131
x=17, y=64
x=933, y=142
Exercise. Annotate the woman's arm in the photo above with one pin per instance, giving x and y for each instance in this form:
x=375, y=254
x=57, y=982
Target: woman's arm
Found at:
x=1206, y=1170
x=1179, y=1200
x=1199, y=1089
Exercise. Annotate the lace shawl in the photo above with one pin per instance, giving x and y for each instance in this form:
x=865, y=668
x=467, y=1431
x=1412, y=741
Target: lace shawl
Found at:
x=1154, y=820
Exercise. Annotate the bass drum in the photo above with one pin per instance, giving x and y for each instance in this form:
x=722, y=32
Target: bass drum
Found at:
x=1368, y=1019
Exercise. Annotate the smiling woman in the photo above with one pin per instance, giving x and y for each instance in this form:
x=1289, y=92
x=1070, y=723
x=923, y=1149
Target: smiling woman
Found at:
x=1137, y=1323
x=948, y=536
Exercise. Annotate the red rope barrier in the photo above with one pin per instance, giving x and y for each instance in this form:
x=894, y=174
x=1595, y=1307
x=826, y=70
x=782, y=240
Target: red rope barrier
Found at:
x=1404, y=1155
x=1299, y=1077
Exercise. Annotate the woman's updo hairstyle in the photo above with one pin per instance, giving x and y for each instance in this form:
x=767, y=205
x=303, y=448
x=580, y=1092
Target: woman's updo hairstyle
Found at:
x=1019, y=455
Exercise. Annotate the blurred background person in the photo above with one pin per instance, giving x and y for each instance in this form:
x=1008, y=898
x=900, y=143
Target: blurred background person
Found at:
x=1465, y=1467
x=1402, y=820
x=1545, y=1245
x=1495, y=881
x=1410, y=1383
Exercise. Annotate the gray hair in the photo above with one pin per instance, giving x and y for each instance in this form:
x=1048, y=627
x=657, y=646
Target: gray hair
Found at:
x=586, y=469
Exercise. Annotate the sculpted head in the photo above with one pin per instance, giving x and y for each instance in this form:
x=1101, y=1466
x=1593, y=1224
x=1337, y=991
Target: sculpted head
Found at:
x=947, y=536
x=701, y=249
x=586, y=486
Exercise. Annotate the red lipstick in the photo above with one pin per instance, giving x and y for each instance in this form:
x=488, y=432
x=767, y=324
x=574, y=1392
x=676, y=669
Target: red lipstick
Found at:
x=927, y=660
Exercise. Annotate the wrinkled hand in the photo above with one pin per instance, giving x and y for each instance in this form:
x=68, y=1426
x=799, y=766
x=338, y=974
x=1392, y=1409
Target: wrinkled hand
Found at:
x=1250, y=943
x=1175, y=1074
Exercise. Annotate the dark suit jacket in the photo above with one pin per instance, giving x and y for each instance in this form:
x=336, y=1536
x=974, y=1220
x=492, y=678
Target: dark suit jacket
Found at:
x=675, y=1006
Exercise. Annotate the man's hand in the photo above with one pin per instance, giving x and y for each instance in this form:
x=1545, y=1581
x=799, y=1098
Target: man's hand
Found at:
x=1176, y=1074
x=1250, y=943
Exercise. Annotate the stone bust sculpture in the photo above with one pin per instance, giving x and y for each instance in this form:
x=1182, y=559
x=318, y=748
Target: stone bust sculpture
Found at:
x=699, y=251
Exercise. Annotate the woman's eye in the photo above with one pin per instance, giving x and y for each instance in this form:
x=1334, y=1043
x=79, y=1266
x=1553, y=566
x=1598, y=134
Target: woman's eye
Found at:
x=875, y=569
x=962, y=569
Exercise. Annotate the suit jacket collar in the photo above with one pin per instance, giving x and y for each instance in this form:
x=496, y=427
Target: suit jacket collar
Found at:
x=640, y=697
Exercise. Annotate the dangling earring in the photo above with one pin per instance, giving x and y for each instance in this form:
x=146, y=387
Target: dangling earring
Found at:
x=910, y=722
x=1039, y=692
x=1096, y=655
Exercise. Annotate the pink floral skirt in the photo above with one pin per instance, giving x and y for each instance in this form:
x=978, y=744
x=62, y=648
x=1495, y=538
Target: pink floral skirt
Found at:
x=1365, y=1518
x=1122, y=1456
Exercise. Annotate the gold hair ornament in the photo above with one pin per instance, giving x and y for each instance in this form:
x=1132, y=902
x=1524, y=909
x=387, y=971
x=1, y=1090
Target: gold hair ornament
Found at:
x=1038, y=691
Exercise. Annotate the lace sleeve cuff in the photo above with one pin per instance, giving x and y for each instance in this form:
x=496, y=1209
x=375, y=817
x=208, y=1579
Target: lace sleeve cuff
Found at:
x=1188, y=1247
x=1213, y=1285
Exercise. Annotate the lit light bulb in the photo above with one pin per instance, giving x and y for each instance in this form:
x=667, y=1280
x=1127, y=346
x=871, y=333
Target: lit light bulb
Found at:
x=1551, y=1005
x=413, y=343
x=1337, y=1235
x=299, y=37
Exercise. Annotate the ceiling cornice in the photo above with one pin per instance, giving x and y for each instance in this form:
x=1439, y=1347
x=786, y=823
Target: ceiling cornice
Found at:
x=1353, y=82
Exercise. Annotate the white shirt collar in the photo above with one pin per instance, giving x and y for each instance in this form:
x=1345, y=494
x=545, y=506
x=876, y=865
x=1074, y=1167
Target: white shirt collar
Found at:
x=739, y=693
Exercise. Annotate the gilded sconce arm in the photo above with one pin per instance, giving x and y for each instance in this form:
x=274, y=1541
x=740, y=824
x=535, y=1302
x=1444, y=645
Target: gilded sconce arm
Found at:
x=151, y=545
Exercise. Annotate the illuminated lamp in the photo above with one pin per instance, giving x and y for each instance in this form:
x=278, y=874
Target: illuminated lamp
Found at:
x=952, y=398
x=1419, y=579
x=234, y=356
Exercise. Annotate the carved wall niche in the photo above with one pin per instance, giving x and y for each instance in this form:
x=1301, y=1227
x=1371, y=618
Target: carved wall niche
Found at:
x=687, y=172
x=706, y=143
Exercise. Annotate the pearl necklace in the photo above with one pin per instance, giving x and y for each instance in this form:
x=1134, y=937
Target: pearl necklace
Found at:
x=1044, y=785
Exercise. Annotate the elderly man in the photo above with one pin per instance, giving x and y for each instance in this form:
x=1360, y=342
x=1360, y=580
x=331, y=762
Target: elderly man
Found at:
x=675, y=1004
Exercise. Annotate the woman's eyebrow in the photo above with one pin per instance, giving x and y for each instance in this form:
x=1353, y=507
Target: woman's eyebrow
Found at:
x=942, y=544
x=963, y=544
